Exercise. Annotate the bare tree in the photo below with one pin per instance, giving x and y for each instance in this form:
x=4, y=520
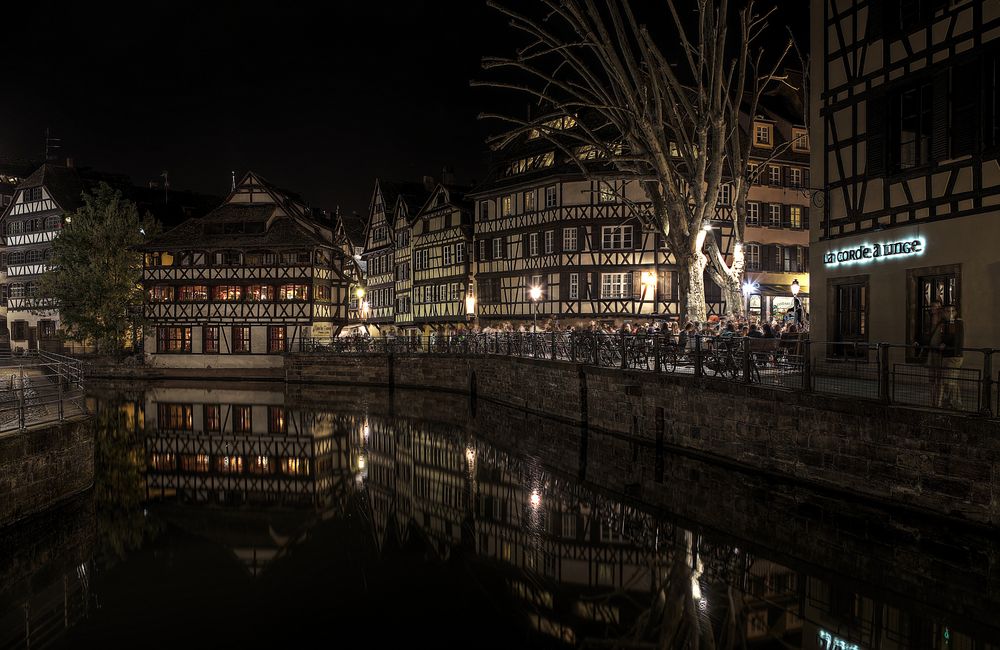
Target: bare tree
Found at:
x=667, y=126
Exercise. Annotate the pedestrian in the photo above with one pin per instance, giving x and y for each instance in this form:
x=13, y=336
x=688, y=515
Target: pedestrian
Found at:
x=947, y=341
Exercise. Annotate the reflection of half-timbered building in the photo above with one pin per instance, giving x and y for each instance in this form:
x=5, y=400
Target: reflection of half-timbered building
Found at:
x=244, y=283
x=906, y=106
x=30, y=223
x=240, y=446
x=441, y=243
x=541, y=223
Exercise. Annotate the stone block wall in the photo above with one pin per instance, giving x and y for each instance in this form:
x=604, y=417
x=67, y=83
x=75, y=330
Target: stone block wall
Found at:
x=41, y=467
x=943, y=463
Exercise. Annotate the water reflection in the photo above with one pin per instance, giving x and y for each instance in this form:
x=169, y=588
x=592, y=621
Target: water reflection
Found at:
x=651, y=550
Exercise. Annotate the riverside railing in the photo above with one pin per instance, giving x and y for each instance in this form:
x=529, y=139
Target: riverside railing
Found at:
x=883, y=372
x=39, y=388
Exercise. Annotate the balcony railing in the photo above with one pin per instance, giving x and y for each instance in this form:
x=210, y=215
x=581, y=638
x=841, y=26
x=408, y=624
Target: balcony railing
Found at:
x=880, y=372
x=39, y=388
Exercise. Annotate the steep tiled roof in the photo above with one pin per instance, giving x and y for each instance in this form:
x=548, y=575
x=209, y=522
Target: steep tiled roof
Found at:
x=63, y=184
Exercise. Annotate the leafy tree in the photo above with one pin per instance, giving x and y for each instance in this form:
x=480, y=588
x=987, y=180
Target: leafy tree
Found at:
x=96, y=273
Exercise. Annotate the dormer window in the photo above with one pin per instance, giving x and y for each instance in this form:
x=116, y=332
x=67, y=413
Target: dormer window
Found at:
x=763, y=134
x=800, y=140
x=32, y=194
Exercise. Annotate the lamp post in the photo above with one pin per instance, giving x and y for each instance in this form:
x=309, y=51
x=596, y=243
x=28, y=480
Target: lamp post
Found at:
x=648, y=280
x=362, y=306
x=536, y=295
x=748, y=289
x=470, y=305
x=796, y=309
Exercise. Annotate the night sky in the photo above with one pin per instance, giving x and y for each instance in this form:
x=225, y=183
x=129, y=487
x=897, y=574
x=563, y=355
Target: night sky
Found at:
x=320, y=102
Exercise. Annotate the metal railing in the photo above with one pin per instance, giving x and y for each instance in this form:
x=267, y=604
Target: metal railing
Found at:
x=887, y=373
x=39, y=388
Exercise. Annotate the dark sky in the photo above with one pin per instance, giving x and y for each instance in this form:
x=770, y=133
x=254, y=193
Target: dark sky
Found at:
x=318, y=101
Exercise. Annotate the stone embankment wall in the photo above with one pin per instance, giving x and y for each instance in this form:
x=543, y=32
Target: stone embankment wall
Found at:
x=944, y=463
x=43, y=466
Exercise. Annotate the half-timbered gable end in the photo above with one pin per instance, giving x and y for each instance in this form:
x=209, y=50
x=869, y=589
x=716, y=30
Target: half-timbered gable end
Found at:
x=30, y=223
x=907, y=110
x=252, y=278
x=440, y=257
x=408, y=204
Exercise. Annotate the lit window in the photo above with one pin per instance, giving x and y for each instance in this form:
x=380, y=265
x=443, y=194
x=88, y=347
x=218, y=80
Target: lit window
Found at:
x=226, y=293
x=795, y=216
x=606, y=192
x=194, y=293
x=173, y=339
x=210, y=339
x=762, y=134
x=294, y=292
x=241, y=338
x=260, y=293
x=161, y=293
x=507, y=205
x=529, y=201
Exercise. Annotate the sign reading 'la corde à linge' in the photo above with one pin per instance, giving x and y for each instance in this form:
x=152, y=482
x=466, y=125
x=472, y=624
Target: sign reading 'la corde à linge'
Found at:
x=865, y=253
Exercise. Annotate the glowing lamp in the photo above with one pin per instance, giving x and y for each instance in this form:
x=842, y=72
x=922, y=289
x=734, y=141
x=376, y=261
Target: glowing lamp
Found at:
x=795, y=287
x=535, y=293
x=648, y=279
x=470, y=304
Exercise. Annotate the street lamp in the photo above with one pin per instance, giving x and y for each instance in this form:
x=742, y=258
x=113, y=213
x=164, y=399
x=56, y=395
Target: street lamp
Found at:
x=648, y=280
x=536, y=295
x=470, y=305
x=795, y=288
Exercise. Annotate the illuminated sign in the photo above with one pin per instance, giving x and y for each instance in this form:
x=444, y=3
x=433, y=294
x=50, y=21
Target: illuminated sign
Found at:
x=829, y=642
x=866, y=253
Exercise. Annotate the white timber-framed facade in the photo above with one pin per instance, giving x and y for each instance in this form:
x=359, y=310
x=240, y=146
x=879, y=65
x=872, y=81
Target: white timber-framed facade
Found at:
x=243, y=284
x=30, y=223
x=442, y=269
x=907, y=112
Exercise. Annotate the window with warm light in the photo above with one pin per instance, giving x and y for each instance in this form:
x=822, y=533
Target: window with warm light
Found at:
x=175, y=417
x=259, y=293
x=173, y=339
x=210, y=339
x=762, y=134
x=294, y=292
x=192, y=293
x=227, y=293
x=242, y=419
x=276, y=338
x=213, y=418
x=241, y=339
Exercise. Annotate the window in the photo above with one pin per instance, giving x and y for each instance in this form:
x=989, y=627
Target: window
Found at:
x=173, y=339
x=726, y=194
x=550, y=196
x=457, y=291
x=213, y=417
x=259, y=293
x=499, y=248
x=482, y=250
x=753, y=213
x=46, y=329
x=774, y=214
x=752, y=256
x=762, y=134
x=484, y=210
x=175, y=417
x=161, y=293
x=195, y=293
x=774, y=174
x=242, y=419
x=32, y=194
x=507, y=205
x=323, y=292
x=795, y=176
x=574, y=286
x=569, y=239
x=911, y=143
x=226, y=293
x=529, y=201
x=606, y=192
x=228, y=258
x=851, y=311
x=420, y=259
x=241, y=339
x=616, y=285
x=19, y=330
x=616, y=237
x=533, y=244
x=460, y=253
x=296, y=257
x=53, y=223
x=795, y=217
x=261, y=258
x=936, y=288
x=800, y=140
x=293, y=292
x=550, y=241
x=276, y=422
x=446, y=253
x=275, y=338
x=210, y=339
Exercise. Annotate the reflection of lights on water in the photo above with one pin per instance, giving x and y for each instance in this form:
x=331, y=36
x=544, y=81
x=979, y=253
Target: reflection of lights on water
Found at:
x=695, y=588
x=470, y=455
x=361, y=462
x=365, y=431
x=703, y=604
x=536, y=499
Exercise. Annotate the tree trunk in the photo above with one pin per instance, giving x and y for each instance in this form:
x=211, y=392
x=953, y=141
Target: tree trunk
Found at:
x=732, y=293
x=691, y=282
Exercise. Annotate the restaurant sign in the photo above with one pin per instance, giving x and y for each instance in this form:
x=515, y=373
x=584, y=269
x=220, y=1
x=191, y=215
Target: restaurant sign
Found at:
x=866, y=253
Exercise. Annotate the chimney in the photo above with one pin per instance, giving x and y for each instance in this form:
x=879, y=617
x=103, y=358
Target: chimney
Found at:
x=69, y=163
x=428, y=183
x=447, y=175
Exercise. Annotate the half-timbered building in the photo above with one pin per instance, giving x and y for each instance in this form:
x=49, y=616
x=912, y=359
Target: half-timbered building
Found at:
x=30, y=223
x=244, y=283
x=776, y=240
x=386, y=253
x=408, y=204
x=907, y=110
x=441, y=243
x=582, y=242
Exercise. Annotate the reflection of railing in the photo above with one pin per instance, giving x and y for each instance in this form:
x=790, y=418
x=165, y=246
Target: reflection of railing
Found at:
x=39, y=388
x=888, y=373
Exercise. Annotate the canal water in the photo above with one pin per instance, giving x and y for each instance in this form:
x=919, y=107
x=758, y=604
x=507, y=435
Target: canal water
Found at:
x=255, y=515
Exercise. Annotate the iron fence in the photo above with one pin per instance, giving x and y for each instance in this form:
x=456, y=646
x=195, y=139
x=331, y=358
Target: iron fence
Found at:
x=39, y=388
x=888, y=373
